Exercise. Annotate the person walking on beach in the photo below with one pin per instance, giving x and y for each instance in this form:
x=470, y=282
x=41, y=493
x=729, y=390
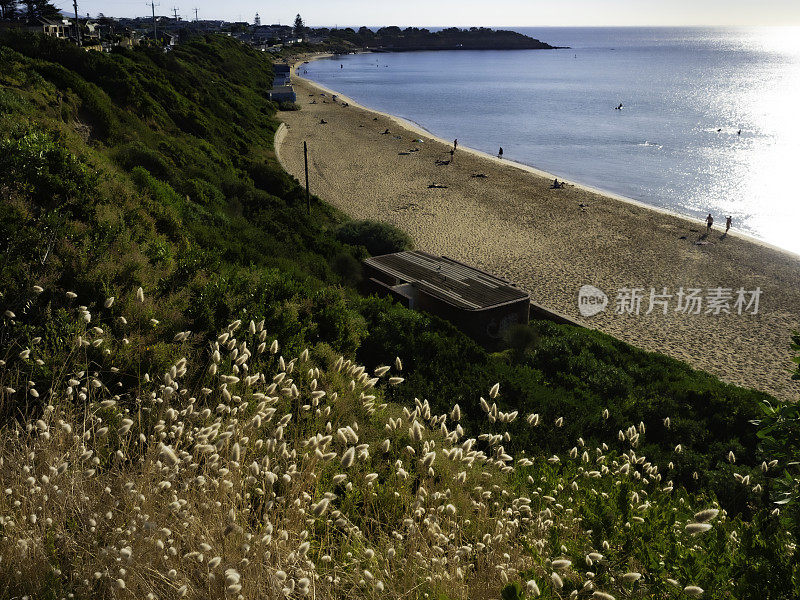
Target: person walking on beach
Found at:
x=500, y=154
x=455, y=144
x=709, y=223
x=728, y=224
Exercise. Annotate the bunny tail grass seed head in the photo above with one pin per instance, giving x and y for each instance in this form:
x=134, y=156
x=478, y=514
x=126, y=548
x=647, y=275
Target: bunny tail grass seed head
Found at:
x=693, y=591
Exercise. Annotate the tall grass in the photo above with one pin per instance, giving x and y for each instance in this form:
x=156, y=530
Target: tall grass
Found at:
x=239, y=472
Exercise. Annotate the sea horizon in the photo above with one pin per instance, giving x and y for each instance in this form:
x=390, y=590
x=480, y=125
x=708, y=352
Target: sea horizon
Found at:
x=693, y=136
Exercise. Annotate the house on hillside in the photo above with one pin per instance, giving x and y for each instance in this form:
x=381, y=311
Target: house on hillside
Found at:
x=480, y=304
x=52, y=27
x=91, y=31
x=129, y=41
x=165, y=38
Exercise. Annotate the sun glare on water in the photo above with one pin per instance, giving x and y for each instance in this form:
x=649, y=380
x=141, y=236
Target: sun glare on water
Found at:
x=768, y=159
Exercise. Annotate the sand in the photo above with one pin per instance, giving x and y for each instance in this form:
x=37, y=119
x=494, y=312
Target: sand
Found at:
x=551, y=242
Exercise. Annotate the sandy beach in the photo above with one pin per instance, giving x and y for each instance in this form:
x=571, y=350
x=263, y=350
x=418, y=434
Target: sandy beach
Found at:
x=506, y=219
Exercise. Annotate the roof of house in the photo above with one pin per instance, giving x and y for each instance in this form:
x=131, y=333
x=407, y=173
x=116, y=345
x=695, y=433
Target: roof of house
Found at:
x=282, y=89
x=448, y=280
x=279, y=68
x=49, y=22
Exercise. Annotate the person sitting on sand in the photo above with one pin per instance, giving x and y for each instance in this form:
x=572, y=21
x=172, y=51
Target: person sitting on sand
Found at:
x=709, y=223
x=323, y=122
x=557, y=185
x=386, y=132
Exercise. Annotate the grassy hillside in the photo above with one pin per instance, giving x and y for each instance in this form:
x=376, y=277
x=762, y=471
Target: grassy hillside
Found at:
x=155, y=171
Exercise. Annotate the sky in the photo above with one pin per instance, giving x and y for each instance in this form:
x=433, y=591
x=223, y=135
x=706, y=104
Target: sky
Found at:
x=517, y=13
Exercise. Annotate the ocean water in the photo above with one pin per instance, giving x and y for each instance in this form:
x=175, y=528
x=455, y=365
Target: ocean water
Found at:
x=686, y=94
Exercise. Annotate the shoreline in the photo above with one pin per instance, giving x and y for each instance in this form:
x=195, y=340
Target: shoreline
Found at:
x=504, y=218
x=417, y=128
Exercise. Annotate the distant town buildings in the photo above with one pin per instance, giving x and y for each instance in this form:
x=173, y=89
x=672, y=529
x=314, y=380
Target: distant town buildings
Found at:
x=104, y=33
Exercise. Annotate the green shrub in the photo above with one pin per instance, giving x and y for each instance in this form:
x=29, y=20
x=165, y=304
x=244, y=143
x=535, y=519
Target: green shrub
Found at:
x=136, y=154
x=348, y=268
x=377, y=237
x=270, y=179
x=11, y=101
x=204, y=193
x=35, y=163
x=521, y=338
x=286, y=105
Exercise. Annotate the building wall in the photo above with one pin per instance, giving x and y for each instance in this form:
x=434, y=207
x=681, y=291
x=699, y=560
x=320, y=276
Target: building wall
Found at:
x=283, y=96
x=487, y=326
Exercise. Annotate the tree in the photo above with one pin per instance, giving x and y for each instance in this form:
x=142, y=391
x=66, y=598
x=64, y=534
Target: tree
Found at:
x=40, y=8
x=46, y=10
x=299, y=27
x=8, y=9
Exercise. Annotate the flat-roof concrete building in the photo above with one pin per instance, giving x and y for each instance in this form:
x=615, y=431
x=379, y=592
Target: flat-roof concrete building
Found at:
x=478, y=303
x=282, y=75
x=283, y=93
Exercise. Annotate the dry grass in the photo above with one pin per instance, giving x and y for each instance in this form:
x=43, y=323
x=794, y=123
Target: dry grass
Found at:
x=243, y=474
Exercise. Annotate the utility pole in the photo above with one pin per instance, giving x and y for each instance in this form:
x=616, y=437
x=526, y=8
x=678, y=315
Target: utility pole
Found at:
x=175, y=12
x=77, y=24
x=155, y=33
x=195, y=16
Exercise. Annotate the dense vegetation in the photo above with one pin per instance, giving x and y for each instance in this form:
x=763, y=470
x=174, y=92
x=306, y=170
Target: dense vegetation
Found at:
x=145, y=169
x=415, y=38
x=33, y=9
